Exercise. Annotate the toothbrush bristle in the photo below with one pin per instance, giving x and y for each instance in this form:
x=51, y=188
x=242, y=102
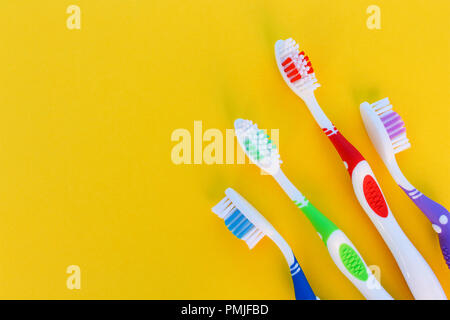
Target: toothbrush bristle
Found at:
x=237, y=222
x=257, y=144
x=296, y=65
x=393, y=123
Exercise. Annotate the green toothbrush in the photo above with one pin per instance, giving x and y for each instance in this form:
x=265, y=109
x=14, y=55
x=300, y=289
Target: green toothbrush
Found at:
x=261, y=151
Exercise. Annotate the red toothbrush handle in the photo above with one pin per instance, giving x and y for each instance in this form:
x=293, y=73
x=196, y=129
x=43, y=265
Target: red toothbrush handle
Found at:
x=349, y=154
x=364, y=181
x=418, y=274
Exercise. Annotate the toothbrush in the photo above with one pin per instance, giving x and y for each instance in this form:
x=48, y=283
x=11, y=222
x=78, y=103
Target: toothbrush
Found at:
x=298, y=73
x=247, y=224
x=387, y=131
x=261, y=151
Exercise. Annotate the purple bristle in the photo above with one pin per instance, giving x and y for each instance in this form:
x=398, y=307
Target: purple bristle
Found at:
x=393, y=124
x=388, y=115
x=396, y=130
x=392, y=120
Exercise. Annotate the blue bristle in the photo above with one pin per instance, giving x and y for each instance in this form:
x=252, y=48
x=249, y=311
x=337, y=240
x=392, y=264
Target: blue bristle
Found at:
x=230, y=219
x=244, y=230
x=238, y=224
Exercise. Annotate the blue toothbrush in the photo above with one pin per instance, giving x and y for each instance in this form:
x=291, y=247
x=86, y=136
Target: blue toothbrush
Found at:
x=247, y=224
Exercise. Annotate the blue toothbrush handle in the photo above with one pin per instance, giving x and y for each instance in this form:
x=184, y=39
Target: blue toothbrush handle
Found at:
x=303, y=290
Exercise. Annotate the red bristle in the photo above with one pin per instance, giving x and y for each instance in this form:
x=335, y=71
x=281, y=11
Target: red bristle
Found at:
x=285, y=62
x=297, y=77
x=290, y=67
x=306, y=58
x=309, y=64
x=294, y=72
x=302, y=53
x=311, y=70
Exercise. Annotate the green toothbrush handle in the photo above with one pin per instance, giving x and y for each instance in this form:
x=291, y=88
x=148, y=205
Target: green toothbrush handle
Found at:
x=340, y=248
x=344, y=254
x=321, y=223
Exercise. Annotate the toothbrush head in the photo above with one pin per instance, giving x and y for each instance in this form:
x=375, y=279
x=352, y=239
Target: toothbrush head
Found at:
x=242, y=219
x=385, y=127
x=295, y=67
x=257, y=145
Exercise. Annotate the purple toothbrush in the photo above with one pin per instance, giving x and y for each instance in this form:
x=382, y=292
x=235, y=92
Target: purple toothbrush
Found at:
x=387, y=131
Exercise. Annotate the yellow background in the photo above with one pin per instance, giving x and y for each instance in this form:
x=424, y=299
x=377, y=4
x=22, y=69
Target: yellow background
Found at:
x=86, y=176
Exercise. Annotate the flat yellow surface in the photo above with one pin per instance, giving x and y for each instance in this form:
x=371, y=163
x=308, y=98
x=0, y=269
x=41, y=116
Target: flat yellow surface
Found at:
x=86, y=176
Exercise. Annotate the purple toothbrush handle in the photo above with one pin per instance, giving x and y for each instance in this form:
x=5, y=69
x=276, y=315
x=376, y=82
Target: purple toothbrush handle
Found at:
x=444, y=240
x=438, y=216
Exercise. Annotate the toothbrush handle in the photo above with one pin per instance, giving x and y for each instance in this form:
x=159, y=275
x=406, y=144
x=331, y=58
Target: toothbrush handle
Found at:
x=352, y=265
x=417, y=273
x=322, y=224
x=303, y=290
x=444, y=241
x=438, y=216
x=346, y=257
x=342, y=251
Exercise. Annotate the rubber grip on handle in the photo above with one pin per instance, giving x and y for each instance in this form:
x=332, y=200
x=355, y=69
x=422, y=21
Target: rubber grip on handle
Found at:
x=345, y=256
x=324, y=226
x=348, y=153
x=416, y=271
x=352, y=265
x=444, y=241
x=303, y=290
x=438, y=216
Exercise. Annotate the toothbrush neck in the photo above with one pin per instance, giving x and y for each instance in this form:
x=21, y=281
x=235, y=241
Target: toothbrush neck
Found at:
x=296, y=196
x=293, y=193
x=398, y=175
x=311, y=102
x=284, y=247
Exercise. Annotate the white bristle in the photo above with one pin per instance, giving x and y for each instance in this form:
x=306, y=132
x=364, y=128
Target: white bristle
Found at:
x=384, y=109
x=400, y=143
x=402, y=147
x=228, y=211
x=398, y=139
x=381, y=106
x=218, y=208
x=256, y=236
x=223, y=208
x=242, y=219
x=257, y=146
x=250, y=233
x=242, y=125
x=290, y=49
